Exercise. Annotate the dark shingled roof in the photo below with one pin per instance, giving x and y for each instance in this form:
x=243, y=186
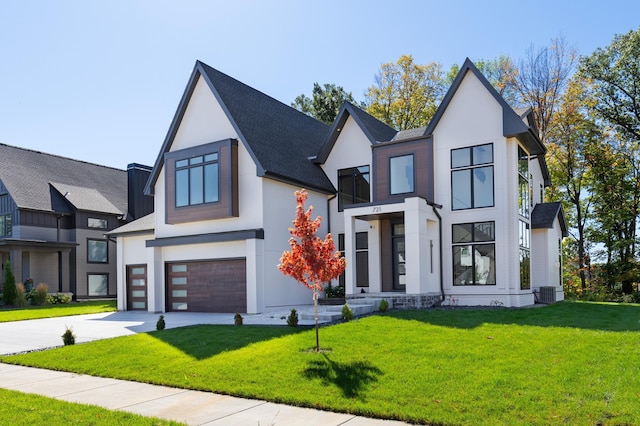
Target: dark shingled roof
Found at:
x=37, y=181
x=380, y=131
x=544, y=214
x=280, y=139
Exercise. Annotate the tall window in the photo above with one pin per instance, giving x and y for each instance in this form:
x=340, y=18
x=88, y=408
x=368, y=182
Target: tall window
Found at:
x=525, y=255
x=353, y=186
x=401, y=174
x=197, y=180
x=97, y=251
x=524, y=191
x=472, y=177
x=362, y=259
x=5, y=225
x=474, y=253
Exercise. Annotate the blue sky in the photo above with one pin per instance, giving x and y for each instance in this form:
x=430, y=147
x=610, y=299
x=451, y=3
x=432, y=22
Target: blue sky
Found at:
x=100, y=81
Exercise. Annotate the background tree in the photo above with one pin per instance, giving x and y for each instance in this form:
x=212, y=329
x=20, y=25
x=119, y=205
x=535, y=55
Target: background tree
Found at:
x=542, y=77
x=9, y=291
x=406, y=95
x=311, y=261
x=325, y=102
x=501, y=72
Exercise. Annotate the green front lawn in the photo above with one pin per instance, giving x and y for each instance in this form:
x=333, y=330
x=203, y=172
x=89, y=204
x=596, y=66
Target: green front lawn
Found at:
x=61, y=310
x=569, y=363
x=24, y=409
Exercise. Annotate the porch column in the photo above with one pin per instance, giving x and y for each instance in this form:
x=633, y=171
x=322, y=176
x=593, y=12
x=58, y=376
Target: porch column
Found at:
x=349, y=254
x=416, y=245
x=255, y=275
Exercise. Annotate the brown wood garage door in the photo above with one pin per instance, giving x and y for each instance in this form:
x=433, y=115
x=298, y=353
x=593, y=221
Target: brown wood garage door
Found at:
x=208, y=286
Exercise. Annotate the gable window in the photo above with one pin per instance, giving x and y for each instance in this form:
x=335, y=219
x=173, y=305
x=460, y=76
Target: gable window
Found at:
x=5, y=225
x=401, y=174
x=197, y=180
x=353, y=186
x=472, y=177
x=97, y=251
x=474, y=253
x=97, y=223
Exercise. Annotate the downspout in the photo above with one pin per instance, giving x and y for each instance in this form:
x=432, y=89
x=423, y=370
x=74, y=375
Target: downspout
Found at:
x=433, y=206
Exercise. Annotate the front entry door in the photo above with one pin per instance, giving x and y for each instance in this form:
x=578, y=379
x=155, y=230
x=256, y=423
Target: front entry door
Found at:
x=399, y=272
x=137, y=288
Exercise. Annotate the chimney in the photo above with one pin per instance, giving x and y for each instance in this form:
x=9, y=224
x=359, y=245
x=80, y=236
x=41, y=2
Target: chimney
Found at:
x=138, y=204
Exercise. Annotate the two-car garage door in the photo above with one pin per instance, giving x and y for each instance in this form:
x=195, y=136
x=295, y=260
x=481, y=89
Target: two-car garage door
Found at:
x=207, y=286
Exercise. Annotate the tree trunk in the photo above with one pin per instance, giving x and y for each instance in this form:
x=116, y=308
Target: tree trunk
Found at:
x=315, y=314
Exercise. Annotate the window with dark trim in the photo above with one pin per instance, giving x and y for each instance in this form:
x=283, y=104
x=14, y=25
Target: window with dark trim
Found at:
x=5, y=225
x=524, y=234
x=353, y=186
x=472, y=177
x=524, y=188
x=97, y=284
x=197, y=180
x=474, y=253
x=92, y=222
x=401, y=175
x=97, y=251
x=362, y=259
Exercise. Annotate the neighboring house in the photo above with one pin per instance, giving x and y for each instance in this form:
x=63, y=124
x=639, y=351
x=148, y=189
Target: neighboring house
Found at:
x=54, y=214
x=449, y=213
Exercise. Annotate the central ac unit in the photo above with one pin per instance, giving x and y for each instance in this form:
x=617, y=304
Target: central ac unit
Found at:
x=547, y=294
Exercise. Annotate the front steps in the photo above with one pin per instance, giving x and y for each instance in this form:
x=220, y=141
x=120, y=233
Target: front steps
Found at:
x=331, y=313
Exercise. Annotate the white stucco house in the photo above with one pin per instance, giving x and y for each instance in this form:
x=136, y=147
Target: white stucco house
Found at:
x=450, y=213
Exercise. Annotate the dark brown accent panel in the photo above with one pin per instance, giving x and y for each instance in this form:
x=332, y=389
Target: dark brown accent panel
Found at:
x=209, y=286
x=227, y=206
x=422, y=150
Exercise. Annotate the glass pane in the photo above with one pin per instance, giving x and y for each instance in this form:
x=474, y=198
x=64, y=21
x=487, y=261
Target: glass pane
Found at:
x=462, y=265
x=178, y=268
x=525, y=269
x=179, y=280
x=139, y=305
x=460, y=158
x=484, y=231
x=138, y=293
x=364, y=172
x=97, y=285
x=182, y=163
x=523, y=162
x=362, y=240
x=179, y=306
x=138, y=283
x=182, y=188
x=195, y=186
x=523, y=196
x=179, y=293
x=361, y=183
x=211, y=191
x=461, y=189
x=483, y=154
x=346, y=189
x=97, y=223
x=401, y=174
x=463, y=233
x=398, y=229
x=362, y=269
x=524, y=235
x=483, y=187
x=195, y=160
x=97, y=251
x=211, y=157
x=485, y=264
x=137, y=271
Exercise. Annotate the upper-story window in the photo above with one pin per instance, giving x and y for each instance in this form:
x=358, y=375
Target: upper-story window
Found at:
x=401, y=175
x=197, y=180
x=472, y=177
x=92, y=222
x=5, y=225
x=97, y=251
x=353, y=186
x=524, y=185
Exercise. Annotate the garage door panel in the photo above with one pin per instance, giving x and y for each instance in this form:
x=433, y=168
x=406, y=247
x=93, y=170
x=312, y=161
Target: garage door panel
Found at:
x=211, y=286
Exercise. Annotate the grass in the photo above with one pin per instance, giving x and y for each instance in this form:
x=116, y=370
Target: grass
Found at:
x=25, y=409
x=569, y=363
x=61, y=310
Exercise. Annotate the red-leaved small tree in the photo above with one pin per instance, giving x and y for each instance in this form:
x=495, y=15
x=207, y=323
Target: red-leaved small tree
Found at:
x=311, y=261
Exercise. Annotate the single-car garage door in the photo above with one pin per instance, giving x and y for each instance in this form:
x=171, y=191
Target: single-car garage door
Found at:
x=207, y=286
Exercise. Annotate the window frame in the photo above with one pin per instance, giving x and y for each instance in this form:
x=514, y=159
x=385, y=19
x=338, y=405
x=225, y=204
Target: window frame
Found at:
x=106, y=246
x=103, y=223
x=6, y=227
x=472, y=167
x=194, y=163
x=472, y=243
x=101, y=274
x=413, y=174
x=352, y=173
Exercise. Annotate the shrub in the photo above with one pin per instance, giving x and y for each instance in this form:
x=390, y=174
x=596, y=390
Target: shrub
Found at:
x=21, y=300
x=68, y=338
x=333, y=292
x=347, y=313
x=160, y=324
x=9, y=291
x=292, y=319
x=237, y=319
x=58, y=298
x=383, y=306
x=40, y=294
